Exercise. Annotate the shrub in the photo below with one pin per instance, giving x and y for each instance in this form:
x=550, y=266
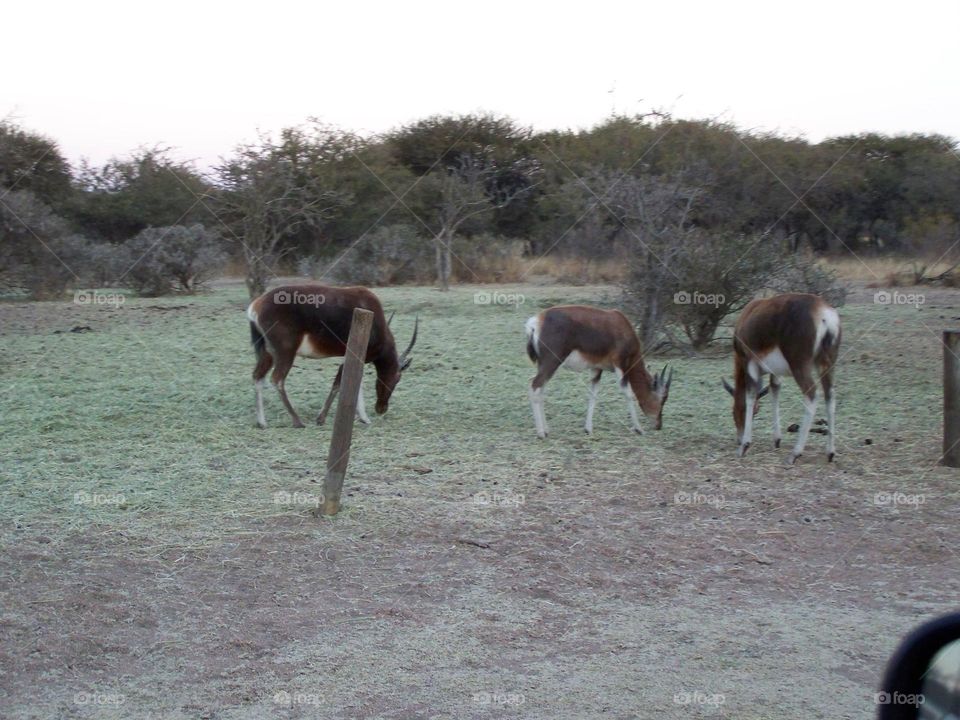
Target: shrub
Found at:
x=173, y=259
x=713, y=275
x=40, y=257
x=388, y=255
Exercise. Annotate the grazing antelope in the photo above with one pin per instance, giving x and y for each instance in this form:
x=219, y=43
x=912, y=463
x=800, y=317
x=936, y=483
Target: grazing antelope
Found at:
x=314, y=321
x=580, y=337
x=792, y=334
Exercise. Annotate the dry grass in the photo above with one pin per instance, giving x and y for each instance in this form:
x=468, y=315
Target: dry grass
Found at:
x=887, y=271
x=623, y=559
x=514, y=267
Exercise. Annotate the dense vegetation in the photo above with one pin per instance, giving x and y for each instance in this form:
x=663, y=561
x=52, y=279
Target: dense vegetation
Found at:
x=686, y=206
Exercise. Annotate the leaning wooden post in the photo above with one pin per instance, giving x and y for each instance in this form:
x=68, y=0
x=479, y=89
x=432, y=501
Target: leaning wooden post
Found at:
x=353, y=362
x=951, y=398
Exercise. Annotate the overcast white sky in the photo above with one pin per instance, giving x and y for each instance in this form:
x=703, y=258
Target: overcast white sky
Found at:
x=103, y=78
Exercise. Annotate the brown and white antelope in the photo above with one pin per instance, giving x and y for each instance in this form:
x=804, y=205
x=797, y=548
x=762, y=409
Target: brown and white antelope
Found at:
x=792, y=334
x=579, y=337
x=314, y=321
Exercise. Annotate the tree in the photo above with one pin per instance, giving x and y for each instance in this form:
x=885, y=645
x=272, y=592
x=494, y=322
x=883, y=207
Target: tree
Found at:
x=268, y=193
x=655, y=213
x=34, y=163
x=461, y=192
x=125, y=196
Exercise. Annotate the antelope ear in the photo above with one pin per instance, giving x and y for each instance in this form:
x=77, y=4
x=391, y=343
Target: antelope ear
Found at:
x=726, y=386
x=763, y=392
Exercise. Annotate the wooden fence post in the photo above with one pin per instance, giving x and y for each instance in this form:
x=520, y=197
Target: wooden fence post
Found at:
x=353, y=362
x=951, y=398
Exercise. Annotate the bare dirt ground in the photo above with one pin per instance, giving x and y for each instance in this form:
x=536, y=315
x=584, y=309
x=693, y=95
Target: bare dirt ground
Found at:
x=474, y=572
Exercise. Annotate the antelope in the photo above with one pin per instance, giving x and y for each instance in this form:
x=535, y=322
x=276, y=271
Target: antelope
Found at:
x=791, y=334
x=314, y=321
x=580, y=338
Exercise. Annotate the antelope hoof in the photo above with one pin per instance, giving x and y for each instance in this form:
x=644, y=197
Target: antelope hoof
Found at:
x=830, y=457
x=542, y=435
x=321, y=419
x=638, y=430
x=262, y=426
x=365, y=421
x=298, y=423
x=776, y=442
x=588, y=431
x=742, y=450
x=792, y=459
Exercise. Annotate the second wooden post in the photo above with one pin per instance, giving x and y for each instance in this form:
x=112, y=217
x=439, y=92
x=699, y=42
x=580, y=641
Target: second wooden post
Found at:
x=951, y=398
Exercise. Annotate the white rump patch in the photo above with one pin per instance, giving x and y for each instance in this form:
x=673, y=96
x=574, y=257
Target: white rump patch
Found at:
x=533, y=331
x=827, y=321
x=252, y=314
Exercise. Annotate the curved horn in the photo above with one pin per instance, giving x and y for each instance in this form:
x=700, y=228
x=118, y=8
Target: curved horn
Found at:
x=726, y=386
x=403, y=356
x=669, y=378
x=390, y=319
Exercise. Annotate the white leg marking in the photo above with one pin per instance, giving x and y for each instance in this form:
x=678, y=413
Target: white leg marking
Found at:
x=361, y=408
x=775, y=407
x=747, y=436
x=539, y=419
x=631, y=403
x=831, y=417
x=261, y=418
x=591, y=404
x=810, y=409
